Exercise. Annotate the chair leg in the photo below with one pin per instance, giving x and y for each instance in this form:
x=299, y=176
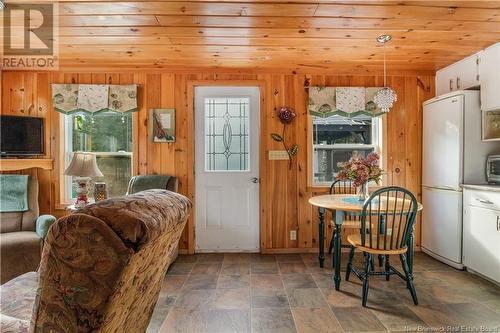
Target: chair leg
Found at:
x=380, y=260
x=368, y=259
x=409, y=278
x=387, y=268
x=330, y=248
x=349, y=264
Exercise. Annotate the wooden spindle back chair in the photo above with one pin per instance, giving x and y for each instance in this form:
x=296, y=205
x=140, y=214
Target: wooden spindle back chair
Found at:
x=388, y=217
x=351, y=220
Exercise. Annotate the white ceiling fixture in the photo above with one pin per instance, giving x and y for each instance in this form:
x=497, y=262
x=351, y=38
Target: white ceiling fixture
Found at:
x=385, y=97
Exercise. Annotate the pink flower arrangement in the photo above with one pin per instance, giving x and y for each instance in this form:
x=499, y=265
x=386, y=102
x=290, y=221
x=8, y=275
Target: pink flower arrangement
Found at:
x=361, y=170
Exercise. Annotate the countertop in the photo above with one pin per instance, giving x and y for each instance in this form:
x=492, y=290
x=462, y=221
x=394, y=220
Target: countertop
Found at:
x=482, y=187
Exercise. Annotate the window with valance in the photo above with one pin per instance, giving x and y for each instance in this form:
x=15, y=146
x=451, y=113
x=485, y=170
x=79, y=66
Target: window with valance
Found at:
x=345, y=123
x=97, y=119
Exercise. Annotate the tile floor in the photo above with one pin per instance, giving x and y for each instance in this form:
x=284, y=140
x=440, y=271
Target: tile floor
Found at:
x=290, y=293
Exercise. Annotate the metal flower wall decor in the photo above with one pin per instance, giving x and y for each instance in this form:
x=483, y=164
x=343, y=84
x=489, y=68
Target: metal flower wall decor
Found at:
x=286, y=115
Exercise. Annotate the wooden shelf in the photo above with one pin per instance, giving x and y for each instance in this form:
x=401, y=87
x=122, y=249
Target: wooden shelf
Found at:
x=13, y=164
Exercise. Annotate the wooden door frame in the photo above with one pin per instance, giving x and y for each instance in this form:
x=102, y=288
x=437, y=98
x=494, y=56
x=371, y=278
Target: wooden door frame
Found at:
x=191, y=85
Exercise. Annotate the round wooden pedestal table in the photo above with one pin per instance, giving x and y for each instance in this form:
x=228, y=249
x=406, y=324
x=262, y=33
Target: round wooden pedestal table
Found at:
x=339, y=204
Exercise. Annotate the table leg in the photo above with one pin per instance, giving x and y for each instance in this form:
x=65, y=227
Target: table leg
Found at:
x=337, y=243
x=321, y=235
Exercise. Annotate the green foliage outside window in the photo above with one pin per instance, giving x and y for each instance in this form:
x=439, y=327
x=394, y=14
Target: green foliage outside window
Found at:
x=103, y=132
x=109, y=135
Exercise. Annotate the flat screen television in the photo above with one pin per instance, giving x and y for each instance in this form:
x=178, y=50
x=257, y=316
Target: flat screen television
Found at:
x=21, y=136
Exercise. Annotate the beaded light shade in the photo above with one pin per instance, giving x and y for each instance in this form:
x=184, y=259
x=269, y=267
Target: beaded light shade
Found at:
x=385, y=97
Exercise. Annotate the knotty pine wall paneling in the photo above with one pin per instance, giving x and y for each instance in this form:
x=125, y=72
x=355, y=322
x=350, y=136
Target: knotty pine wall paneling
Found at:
x=284, y=192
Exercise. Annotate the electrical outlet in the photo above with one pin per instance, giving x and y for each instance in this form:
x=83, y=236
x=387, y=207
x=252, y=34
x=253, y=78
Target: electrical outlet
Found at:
x=293, y=234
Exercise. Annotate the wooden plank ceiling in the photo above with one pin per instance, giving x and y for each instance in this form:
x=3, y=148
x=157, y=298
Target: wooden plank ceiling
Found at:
x=260, y=34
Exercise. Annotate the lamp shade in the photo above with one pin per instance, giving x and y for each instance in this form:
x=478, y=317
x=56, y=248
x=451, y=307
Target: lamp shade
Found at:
x=83, y=165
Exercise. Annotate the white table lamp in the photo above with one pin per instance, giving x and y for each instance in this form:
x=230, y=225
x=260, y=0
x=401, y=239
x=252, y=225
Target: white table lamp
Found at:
x=83, y=166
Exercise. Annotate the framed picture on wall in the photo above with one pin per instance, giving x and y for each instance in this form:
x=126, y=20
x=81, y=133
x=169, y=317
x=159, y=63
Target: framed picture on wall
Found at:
x=162, y=125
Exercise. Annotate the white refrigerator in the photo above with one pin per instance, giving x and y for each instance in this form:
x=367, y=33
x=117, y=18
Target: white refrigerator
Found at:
x=453, y=154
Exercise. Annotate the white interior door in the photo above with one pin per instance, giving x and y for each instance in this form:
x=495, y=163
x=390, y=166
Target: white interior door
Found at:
x=227, y=168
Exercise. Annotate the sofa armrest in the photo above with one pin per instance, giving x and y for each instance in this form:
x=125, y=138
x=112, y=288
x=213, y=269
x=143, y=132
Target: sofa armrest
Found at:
x=43, y=223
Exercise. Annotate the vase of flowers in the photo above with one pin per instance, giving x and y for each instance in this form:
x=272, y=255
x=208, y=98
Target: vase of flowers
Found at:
x=361, y=171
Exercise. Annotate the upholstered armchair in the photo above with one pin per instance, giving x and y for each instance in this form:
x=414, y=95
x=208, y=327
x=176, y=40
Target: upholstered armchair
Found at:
x=102, y=267
x=149, y=182
x=21, y=237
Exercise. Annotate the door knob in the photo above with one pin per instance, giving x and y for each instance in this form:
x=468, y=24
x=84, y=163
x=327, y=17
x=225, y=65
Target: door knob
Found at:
x=255, y=180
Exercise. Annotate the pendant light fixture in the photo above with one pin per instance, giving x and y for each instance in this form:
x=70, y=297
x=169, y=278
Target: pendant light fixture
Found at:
x=385, y=97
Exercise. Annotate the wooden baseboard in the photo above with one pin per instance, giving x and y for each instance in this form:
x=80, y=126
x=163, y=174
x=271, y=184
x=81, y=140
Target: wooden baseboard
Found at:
x=292, y=250
x=304, y=250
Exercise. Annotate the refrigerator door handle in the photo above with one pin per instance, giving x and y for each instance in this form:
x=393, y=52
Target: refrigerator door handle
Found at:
x=441, y=188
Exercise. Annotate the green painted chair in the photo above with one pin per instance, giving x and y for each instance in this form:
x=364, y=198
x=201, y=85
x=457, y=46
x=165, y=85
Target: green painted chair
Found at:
x=388, y=217
x=351, y=221
x=149, y=182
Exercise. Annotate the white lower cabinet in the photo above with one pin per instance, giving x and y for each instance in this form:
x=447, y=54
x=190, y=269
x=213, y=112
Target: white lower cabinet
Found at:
x=482, y=233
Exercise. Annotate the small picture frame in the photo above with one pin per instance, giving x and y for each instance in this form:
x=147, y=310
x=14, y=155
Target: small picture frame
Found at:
x=162, y=125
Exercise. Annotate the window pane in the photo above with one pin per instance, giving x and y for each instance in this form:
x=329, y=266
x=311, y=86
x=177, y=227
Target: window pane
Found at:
x=117, y=173
x=226, y=134
x=109, y=135
x=340, y=130
x=102, y=132
x=337, y=139
x=326, y=160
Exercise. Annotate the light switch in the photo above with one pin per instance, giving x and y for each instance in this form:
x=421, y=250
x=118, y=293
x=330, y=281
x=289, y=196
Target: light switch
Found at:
x=278, y=155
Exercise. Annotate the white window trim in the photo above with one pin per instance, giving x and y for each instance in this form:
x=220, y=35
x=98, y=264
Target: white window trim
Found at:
x=66, y=182
x=378, y=130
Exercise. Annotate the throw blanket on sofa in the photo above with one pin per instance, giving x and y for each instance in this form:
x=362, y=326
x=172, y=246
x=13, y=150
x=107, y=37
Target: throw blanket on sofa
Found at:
x=13, y=193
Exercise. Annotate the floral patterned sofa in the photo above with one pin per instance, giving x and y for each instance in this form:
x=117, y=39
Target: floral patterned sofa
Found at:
x=101, y=268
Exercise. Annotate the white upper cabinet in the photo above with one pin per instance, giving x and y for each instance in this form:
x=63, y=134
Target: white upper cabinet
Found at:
x=490, y=78
x=463, y=74
x=445, y=81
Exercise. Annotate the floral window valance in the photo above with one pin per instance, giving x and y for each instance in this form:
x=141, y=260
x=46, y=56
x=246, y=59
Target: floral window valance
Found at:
x=92, y=98
x=343, y=101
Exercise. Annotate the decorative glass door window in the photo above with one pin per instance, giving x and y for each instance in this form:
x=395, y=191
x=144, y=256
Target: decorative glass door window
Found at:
x=227, y=124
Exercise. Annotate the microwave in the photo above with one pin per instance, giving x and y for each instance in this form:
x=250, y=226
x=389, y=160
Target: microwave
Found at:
x=493, y=169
